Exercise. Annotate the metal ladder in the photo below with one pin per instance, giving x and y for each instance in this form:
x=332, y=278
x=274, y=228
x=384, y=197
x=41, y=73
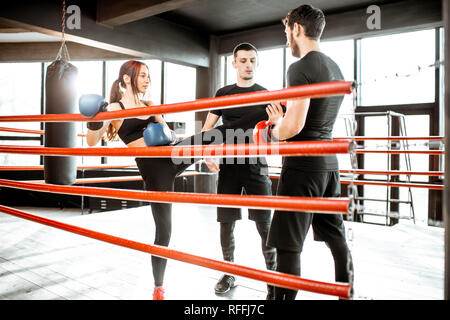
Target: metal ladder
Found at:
x=388, y=214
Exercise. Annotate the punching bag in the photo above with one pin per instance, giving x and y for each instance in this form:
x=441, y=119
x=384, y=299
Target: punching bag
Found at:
x=60, y=97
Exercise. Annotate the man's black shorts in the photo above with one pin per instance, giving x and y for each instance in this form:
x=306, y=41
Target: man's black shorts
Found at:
x=250, y=177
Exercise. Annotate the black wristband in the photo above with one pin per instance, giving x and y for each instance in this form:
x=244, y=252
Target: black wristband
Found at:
x=270, y=137
x=94, y=126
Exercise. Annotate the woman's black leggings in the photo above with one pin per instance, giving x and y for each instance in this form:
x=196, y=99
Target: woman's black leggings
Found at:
x=159, y=175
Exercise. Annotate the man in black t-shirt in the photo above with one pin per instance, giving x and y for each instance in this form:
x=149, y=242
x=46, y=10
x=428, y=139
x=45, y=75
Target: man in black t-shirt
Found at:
x=308, y=119
x=238, y=174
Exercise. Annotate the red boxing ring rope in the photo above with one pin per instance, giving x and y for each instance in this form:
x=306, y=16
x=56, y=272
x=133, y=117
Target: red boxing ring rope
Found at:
x=344, y=171
x=271, y=277
x=305, y=204
x=429, y=152
x=194, y=151
x=6, y=129
x=41, y=167
x=395, y=172
x=394, y=184
x=357, y=138
x=40, y=132
x=391, y=138
x=317, y=90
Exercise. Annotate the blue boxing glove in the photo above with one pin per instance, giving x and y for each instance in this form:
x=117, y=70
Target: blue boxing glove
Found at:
x=90, y=105
x=158, y=134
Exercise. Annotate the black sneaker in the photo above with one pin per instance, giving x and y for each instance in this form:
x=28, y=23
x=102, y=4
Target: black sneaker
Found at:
x=225, y=284
x=270, y=292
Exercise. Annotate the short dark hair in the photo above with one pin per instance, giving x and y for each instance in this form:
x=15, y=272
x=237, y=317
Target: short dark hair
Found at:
x=244, y=46
x=311, y=18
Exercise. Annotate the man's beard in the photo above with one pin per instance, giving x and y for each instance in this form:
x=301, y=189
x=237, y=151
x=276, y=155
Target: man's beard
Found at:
x=295, y=50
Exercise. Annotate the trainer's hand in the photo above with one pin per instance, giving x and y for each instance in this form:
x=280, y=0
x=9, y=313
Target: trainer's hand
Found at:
x=212, y=165
x=275, y=111
x=90, y=105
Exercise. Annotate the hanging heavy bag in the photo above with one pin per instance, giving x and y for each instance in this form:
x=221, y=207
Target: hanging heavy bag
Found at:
x=60, y=97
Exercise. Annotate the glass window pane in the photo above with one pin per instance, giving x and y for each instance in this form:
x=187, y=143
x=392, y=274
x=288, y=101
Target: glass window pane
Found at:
x=375, y=126
x=90, y=75
x=18, y=98
x=155, y=70
x=112, y=73
x=230, y=71
x=389, y=68
x=180, y=86
x=342, y=52
x=416, y=126
x=269, y=72
x=290, y=59
x=11, y=159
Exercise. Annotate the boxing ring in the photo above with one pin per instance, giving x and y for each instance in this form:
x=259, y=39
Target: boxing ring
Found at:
x=306, y=148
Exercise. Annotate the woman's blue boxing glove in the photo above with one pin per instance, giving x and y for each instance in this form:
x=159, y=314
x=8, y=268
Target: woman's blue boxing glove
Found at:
x=90, y=105
x=158, y=134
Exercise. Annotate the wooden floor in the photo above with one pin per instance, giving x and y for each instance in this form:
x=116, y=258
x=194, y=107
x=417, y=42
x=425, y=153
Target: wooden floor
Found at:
x=404, y=262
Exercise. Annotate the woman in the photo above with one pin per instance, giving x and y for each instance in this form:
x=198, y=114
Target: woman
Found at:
x=158, y=173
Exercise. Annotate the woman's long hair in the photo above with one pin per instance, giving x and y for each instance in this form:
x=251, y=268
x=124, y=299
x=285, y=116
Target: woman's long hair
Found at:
x=130, y=68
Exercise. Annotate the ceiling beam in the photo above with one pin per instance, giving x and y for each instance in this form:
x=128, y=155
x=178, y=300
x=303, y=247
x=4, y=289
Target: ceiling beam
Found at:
x=47, y=51
x=72, y=38
x=6, y=28
x=117, y=12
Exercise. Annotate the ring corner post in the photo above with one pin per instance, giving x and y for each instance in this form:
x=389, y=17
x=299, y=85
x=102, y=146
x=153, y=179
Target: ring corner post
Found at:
x=446, y=209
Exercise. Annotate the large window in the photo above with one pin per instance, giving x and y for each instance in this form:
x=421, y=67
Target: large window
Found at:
x=19, y=99
x=394, y=68
x=20, y=94
x=417, y=125
x=398, y=70
x=269, y=73
x=342, y=52
x=90, y=75
x=180, y=86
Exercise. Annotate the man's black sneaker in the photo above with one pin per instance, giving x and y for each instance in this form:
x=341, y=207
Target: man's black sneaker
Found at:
x=270, y=292
x=225, y=284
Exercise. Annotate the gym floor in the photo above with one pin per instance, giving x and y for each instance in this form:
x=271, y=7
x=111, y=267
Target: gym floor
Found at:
x=403, y=262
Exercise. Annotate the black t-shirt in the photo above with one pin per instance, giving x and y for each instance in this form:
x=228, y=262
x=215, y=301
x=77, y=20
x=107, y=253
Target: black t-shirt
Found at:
x=316, y=67
x=242, y=120
x=231, y=115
